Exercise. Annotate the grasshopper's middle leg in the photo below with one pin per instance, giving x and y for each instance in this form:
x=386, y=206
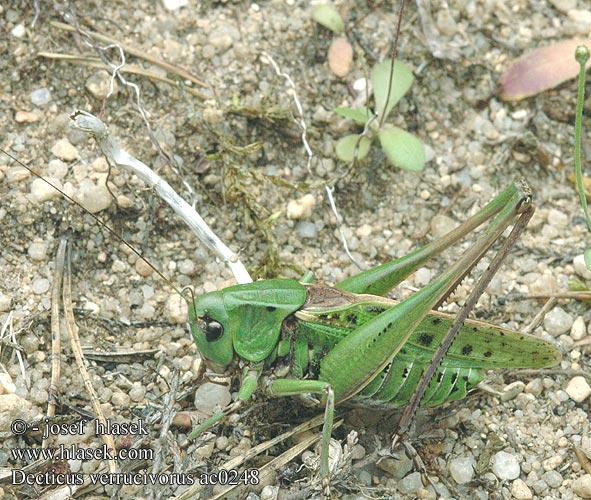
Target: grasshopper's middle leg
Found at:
x=291, y=387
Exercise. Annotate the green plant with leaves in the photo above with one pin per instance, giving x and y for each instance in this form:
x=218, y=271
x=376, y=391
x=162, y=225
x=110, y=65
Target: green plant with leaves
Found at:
x=403, y=149
x=582, y=56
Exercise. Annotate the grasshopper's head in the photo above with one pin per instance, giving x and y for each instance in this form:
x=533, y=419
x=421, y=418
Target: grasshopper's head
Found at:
x=210, y=327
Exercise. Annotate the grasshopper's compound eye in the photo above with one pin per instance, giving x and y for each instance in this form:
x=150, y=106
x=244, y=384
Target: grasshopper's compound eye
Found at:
x=213, y=329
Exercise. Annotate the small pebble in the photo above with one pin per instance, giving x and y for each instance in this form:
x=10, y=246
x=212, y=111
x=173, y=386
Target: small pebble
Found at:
x=579, y=329
x=552, y=478
x=422, y=276
x=512, y=390
x=581, y=267
x=543, y=283
x=397, y=467
x=586, y=446
x=564, y=5
x=17, y=174
x=364, y=477
x=363, y=231
x=558, y=322
x=441, y=225
x=40, y=97
x=462, y=469
x=174, y=4
x=25, y=117
x=301, y=208
x=64, y=150
x=305, y=229
x=552, y=462
x=177, y=309
x=57, y=169
x=138, y=392
x=37, y=251
x=18, y=31
x=40, y=286
x=410, y=484
x=582, y=486
x=520, y=490
x=120, y=399
x=445, y=22
x=221, y=443
x=143, y=268
x=268, y=493
x=99, y=85
x=94, y=197
x=5, y=302
x=208, y=396
x=75, y=465
x=13, y=407
x=534, y=387
x=505, y=466
x=358, y=452
x=187, y=266
x=340, y=57
x=41, y=191
x=582, y=17
x=220, y=41
x=6, y=384
x=557, y=218
x=578, y=389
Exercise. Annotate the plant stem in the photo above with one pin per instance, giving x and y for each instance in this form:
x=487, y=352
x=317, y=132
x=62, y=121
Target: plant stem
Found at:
x=382, y=113
x=582, y=56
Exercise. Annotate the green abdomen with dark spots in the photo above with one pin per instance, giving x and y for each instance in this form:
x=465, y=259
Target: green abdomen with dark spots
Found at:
x=476, y=348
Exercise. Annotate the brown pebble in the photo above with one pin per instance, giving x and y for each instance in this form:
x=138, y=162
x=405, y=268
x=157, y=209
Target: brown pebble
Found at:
x=340, y=57
x=25, y=117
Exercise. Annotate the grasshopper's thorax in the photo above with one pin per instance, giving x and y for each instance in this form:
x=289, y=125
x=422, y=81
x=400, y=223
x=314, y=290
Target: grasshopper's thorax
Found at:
x=327, y=317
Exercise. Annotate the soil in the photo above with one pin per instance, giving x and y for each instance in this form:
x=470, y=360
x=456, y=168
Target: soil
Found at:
x=236, y=141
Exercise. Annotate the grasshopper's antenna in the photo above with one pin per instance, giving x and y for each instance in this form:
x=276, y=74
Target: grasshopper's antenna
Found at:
x=98, y=220
x=191, y=293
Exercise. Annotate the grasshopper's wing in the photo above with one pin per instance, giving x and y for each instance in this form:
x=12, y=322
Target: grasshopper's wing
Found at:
x=477, y=347
x=480, y=345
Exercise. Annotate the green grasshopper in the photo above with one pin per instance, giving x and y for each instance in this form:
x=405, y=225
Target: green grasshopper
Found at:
x=395, y=353
x=288, y=337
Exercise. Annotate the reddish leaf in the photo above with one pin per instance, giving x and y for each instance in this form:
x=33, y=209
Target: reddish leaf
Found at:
x=541, y=69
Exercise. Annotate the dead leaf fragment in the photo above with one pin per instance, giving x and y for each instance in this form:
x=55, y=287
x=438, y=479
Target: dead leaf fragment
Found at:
x=340, y=57
x=541, y=69
x=586, y=184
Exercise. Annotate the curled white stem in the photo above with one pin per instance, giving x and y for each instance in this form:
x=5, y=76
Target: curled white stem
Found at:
x=91, y=124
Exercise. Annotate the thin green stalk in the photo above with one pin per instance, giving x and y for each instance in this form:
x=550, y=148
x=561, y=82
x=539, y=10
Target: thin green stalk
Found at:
x=582, y=56
x=382, y=112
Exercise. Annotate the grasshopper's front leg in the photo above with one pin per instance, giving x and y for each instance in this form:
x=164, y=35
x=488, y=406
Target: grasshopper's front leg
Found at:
x=248, y=386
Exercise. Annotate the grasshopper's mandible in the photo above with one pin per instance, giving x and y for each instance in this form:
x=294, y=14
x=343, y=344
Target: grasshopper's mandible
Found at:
x=396, y=353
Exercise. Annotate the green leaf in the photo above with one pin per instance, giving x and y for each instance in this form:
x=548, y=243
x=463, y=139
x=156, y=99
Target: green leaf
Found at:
x=345, y=148
x=403, y=149
x=587, y=257
x=576, y=285
x=328, y=16
x=359, y=115
x=401, y=82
